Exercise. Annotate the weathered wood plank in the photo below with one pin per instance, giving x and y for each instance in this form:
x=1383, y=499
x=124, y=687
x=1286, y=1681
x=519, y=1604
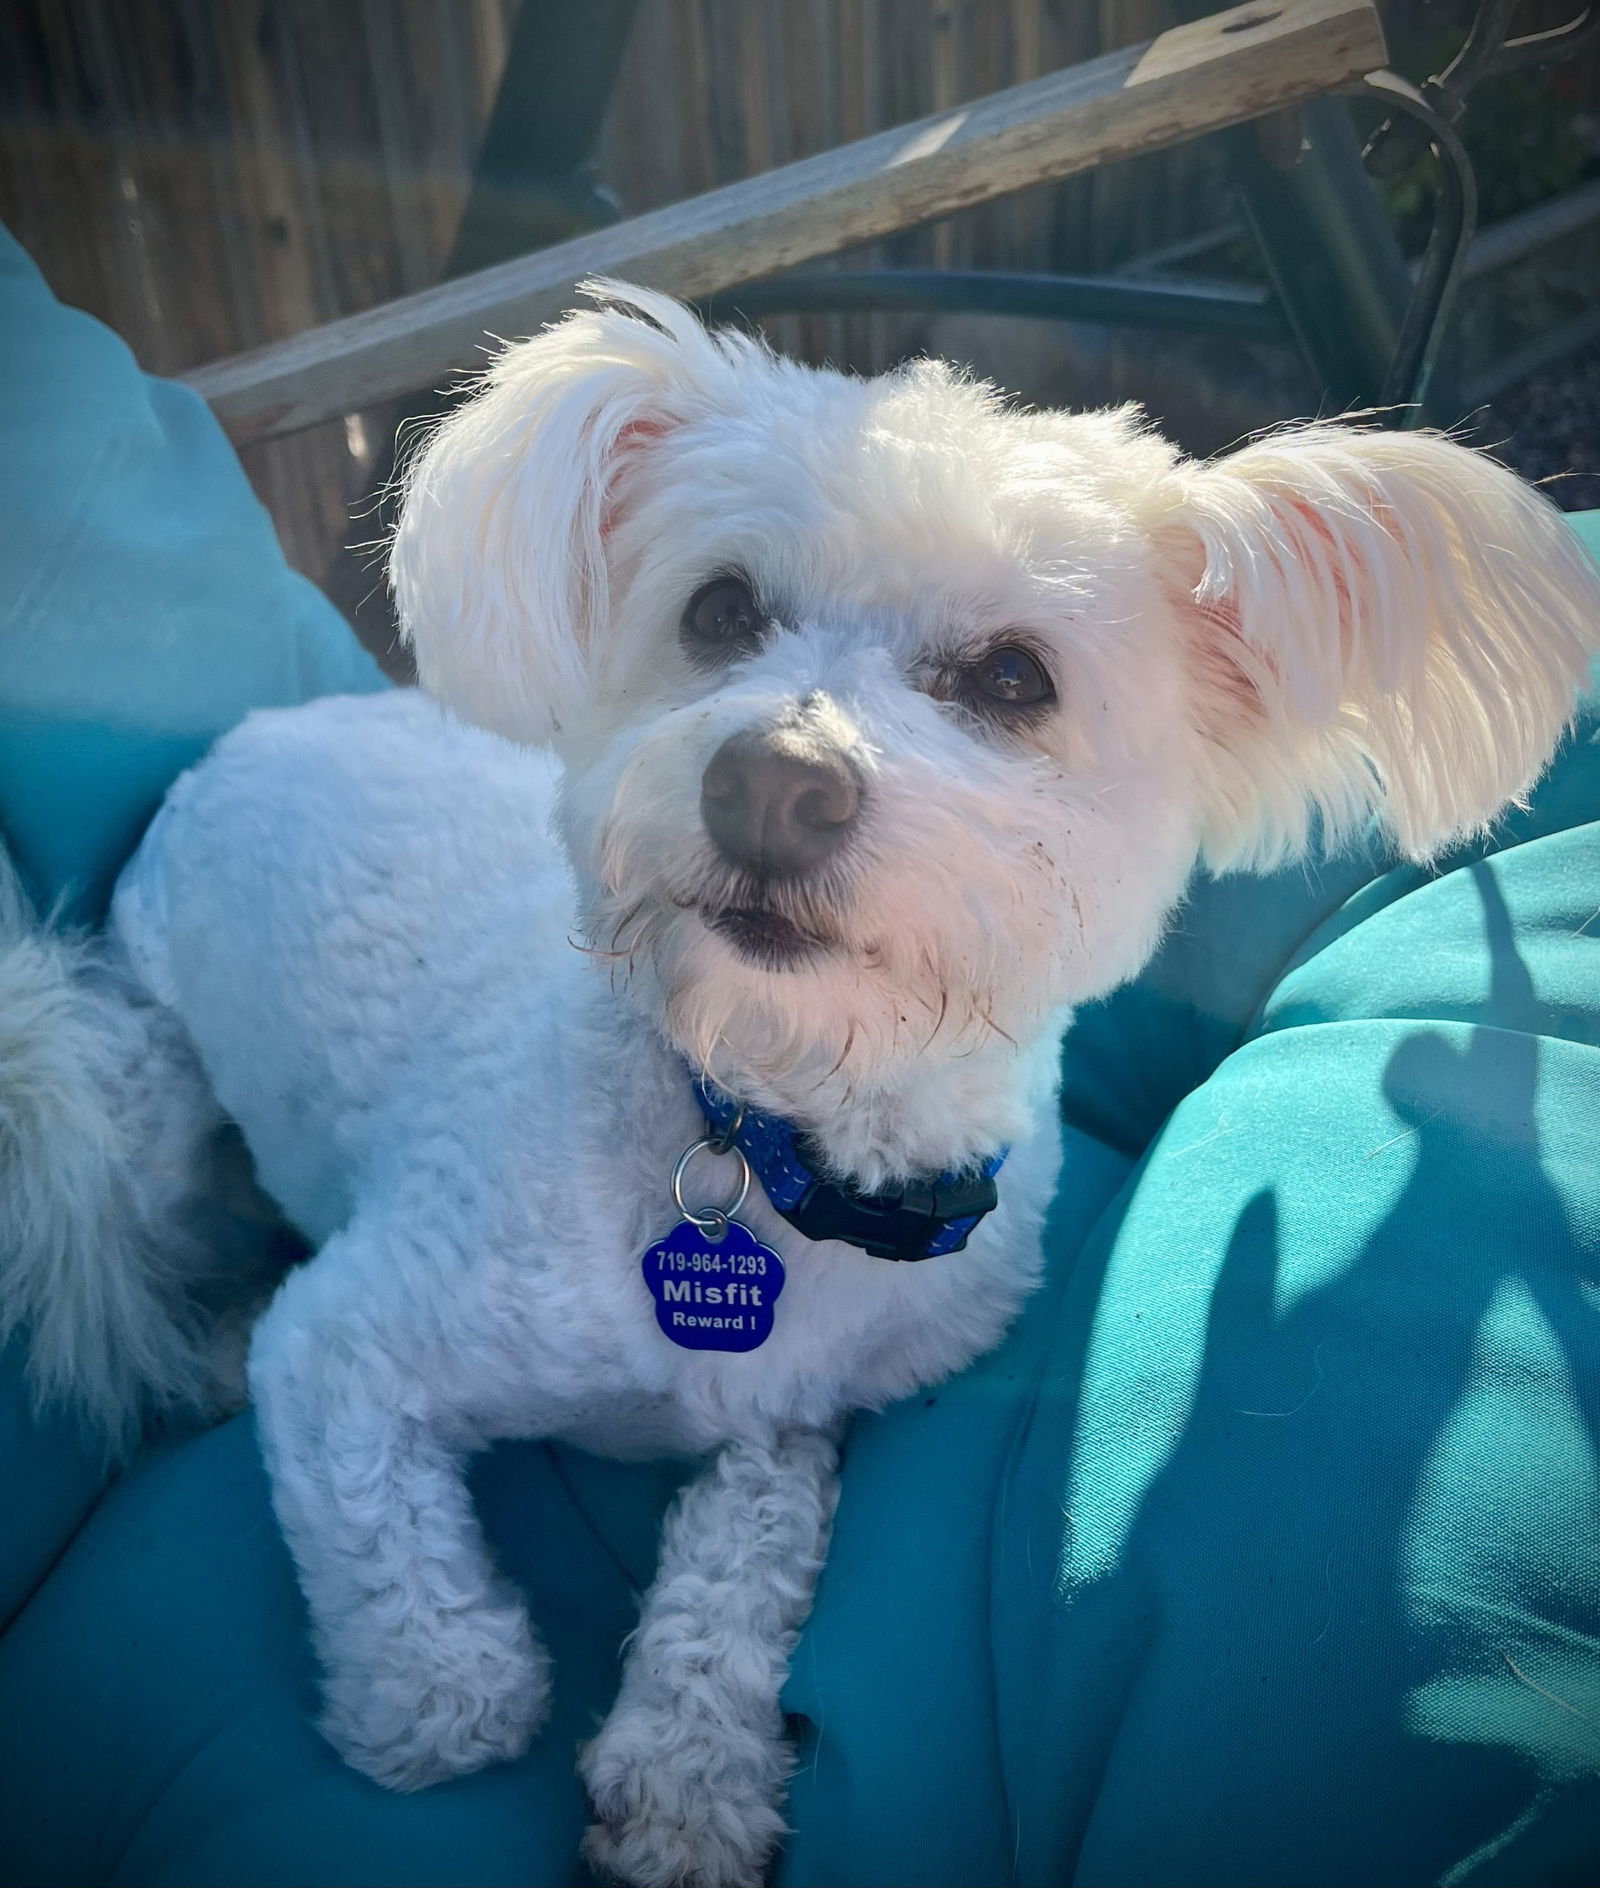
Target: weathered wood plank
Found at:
x=1193, y=79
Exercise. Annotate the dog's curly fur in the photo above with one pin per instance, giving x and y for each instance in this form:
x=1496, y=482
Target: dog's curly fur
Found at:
x=363, y=914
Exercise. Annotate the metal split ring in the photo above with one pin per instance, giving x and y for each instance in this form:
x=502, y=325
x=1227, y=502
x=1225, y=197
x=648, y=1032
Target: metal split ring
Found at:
x=712, y=1220
x=723, y=1142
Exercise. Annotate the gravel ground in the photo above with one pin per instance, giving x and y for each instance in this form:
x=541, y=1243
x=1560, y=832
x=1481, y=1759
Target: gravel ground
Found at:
x=1550, y=429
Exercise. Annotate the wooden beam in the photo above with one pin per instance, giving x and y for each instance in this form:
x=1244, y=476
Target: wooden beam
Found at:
x=1196, y=78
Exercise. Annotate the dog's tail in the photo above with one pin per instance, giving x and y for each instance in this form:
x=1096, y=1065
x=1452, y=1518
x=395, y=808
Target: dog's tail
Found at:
x=102, y=1112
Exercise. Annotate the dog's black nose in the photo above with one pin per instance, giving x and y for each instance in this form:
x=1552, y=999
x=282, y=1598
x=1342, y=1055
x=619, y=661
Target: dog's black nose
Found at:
x=778, y=800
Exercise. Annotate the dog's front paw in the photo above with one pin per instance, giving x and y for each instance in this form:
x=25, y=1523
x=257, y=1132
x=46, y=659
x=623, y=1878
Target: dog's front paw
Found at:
x=440, y=1698
x=682, y=1802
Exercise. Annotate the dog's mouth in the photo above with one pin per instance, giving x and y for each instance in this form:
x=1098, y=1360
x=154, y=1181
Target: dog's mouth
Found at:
x=762, y=936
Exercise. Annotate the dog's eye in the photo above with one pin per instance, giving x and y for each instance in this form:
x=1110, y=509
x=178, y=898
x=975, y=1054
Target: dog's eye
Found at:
x=1012, y=677
x=721, y=619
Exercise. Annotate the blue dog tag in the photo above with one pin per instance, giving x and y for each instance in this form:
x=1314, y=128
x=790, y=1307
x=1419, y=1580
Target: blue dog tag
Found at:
x=713, y=1296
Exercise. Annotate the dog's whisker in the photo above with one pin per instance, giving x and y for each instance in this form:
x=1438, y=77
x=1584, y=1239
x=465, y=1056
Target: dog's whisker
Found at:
x=593, y=950
x=938, y=1023
x=986, y=1011
x=844, y=1054
x=644, y=940
x=616, y=947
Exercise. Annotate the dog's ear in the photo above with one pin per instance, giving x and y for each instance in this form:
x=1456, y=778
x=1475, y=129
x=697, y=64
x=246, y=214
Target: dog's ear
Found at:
x=1380, y=621
x=498, y=562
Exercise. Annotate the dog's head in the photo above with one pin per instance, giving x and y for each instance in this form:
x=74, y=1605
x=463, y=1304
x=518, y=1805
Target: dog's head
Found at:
x=895, y=720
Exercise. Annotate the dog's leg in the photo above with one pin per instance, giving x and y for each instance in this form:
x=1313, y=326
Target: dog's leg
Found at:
x=431, y=1667
x=688, y=1772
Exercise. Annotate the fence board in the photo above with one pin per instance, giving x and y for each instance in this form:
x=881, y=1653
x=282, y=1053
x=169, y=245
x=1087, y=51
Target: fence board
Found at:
x=1190, y=80
x=190, y=212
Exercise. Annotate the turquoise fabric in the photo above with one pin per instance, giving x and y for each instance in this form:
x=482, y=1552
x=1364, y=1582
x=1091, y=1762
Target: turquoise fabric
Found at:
x=1286, y=1566
x=50, y=1479
x=144, y=607
x=144, y=603
x=1587, y=526
x=1263, y=1551
x=157, y=1696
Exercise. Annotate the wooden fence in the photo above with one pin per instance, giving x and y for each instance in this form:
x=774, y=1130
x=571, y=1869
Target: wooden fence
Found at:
x=209, y=175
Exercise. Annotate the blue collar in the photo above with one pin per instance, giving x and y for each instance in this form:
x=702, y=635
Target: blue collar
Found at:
x=920, y=1220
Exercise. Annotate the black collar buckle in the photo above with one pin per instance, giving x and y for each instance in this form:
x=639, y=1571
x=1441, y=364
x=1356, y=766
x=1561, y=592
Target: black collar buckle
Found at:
x=904, y=1224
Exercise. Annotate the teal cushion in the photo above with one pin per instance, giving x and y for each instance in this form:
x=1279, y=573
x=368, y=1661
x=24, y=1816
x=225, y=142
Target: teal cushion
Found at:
x=144, y=607
x=1263, y=1550
x=159, y=1692
x=1587, y=525
x=1286, y=1567
x=168, y=1732
x=51, y=1477
x=144, y=603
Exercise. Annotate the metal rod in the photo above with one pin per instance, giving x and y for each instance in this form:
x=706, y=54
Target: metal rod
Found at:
x=1213, y=307
x=1515, y=238
x=1160, y=261
x=1416, y=354
x=1553, y=46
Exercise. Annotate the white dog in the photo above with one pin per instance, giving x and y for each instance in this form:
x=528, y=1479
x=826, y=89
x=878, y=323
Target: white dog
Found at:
x=890, y=725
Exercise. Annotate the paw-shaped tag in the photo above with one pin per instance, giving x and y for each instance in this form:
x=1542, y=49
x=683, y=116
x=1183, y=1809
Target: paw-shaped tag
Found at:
x=713, y=1294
